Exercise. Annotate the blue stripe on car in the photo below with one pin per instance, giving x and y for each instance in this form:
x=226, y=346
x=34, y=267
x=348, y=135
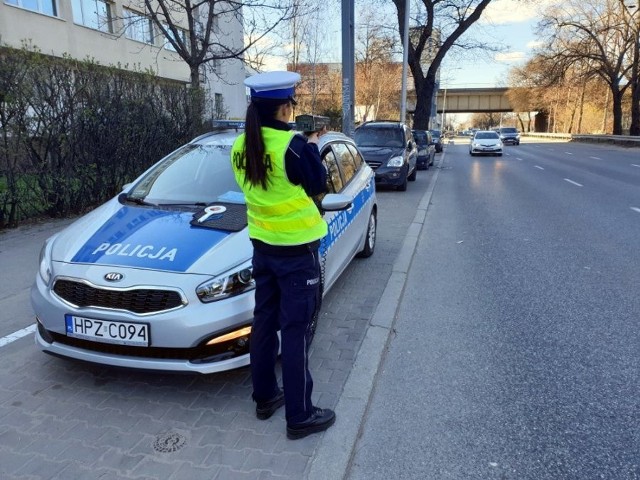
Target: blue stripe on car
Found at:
x=147, y=238
x=339, y=222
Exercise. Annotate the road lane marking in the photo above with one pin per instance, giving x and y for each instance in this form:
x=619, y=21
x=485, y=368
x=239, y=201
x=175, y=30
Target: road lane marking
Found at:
x=518, y=158
x=596, y=158
x=17, y=335
x=635, y=209
x=634, y=165
x=538, y=166
x=575, y=183
x=568, y=153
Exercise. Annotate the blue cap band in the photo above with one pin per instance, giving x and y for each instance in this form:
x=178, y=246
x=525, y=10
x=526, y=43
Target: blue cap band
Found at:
x=281, y=93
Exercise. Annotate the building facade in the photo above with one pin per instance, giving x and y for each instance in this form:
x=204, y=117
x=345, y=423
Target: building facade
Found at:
x=119, y=33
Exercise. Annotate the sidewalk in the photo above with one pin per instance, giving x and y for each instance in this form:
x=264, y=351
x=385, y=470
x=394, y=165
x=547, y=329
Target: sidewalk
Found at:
x=332, y=457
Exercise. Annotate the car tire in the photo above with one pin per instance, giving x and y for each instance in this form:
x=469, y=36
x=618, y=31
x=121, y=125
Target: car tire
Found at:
x=403, y=186
x=412, y=177
x=499, y=154
x=472, y=154
x=370, y=239
x=313, y=325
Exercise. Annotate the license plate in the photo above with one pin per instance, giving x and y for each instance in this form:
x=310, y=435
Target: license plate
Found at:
x=105, y=331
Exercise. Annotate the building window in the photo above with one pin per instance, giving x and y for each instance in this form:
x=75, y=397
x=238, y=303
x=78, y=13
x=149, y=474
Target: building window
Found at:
x=182, y=36
x=138, y=27
x=48, y=7
x=94, y=14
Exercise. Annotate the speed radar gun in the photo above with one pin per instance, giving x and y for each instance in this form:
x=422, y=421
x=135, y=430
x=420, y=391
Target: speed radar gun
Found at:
x=311, y=123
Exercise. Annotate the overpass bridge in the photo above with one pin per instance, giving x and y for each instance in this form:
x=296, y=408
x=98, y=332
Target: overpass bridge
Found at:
x=467, y=100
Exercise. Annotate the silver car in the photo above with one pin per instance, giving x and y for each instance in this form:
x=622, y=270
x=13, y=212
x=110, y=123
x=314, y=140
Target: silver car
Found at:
x=159, y=277
x=485, y=142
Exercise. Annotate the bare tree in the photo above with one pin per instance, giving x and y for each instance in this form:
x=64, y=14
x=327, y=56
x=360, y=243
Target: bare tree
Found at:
x=196, y=28
x=595, y=36
x=375, y=70
x=440, y=27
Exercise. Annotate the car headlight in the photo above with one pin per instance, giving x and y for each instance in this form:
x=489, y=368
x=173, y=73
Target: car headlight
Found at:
x=395, y=161
x=44, y=263
x=227, y=285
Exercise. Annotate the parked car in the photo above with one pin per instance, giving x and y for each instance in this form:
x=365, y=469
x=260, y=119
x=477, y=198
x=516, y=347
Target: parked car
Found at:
x=437, y=138
x=485, y=142
x=509, y=135
x=160, y=277
x=389, y=148
x=426, y=149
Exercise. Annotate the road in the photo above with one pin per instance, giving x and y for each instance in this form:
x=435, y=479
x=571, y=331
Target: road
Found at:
x=516, y=347
x=66, y=420
x=513, y=354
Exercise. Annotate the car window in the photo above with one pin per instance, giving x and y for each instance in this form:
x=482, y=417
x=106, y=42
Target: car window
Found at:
x=422, y=137
x=379, y=137
x=194, y=173
x=356, y=156
x=508, y=130
x=345, y=160
x=334, y=180
x=486, y=135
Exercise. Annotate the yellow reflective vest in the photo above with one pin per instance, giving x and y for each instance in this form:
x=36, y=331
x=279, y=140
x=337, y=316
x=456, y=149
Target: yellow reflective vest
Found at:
x=282, y=214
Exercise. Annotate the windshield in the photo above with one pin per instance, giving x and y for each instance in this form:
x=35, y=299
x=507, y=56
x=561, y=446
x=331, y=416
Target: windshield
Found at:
x=193, y=174
x=379, y=137
x=486, y=135
x=508, y=130
x=435, y=133
x=420, y=136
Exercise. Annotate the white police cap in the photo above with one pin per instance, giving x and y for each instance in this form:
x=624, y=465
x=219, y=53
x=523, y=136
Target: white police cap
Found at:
x=276, y=85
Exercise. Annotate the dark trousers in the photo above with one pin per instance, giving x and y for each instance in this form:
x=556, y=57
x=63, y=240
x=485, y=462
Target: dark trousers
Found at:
x=287, y=290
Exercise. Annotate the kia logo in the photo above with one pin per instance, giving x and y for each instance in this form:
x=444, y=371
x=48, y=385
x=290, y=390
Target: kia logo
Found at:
x=113, y=277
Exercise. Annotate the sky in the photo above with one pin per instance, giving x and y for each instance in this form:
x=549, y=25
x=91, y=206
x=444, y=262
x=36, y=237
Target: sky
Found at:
x=509, y=23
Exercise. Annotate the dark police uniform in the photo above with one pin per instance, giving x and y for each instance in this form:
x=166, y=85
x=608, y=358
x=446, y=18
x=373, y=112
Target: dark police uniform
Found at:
x=285, y=228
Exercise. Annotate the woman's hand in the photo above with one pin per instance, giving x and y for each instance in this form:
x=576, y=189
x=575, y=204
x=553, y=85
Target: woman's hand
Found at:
x=315, y=136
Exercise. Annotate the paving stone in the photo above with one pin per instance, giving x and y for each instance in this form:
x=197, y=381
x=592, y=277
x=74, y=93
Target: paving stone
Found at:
x=191, y=472
x=42, y=468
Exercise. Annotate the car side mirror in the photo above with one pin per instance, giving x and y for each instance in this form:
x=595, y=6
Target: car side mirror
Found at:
x=334, y=202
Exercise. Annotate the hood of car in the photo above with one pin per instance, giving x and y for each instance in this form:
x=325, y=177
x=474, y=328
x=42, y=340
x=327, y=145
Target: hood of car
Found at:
x=149, y=238
x=380, y=154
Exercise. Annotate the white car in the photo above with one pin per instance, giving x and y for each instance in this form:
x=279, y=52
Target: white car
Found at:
x=485, y=142
x=159, y=277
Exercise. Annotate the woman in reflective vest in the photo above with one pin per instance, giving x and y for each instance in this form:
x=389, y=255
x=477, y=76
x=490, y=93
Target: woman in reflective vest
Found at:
x=278, y=171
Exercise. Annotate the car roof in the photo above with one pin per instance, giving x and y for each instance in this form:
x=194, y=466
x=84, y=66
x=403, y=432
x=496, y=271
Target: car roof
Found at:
x=381, y=123
x=226, y=136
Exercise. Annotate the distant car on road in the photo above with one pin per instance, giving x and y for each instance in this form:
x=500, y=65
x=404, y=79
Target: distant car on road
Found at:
x=437, y=138
x=509, y=135
x=390, y=149
x=160, y=276
x=485, y=142
x=426, y=148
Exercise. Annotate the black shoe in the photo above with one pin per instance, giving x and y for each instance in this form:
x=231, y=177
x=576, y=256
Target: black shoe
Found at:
x=264, y=410
x=319, y=421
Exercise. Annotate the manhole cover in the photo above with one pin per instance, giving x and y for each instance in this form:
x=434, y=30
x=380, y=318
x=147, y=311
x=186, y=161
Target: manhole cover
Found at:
x=169, y=442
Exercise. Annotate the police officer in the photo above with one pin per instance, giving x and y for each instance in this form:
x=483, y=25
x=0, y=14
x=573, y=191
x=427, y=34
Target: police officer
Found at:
x=279, y=171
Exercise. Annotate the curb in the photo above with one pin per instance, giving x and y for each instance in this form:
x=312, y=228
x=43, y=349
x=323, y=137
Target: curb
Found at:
x=333, y=455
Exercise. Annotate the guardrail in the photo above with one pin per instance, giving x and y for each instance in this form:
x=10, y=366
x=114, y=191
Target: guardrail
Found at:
x=623, y=140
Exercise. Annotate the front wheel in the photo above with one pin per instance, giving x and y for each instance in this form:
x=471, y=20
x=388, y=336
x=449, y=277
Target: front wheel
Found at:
x=370, y=238
x=403, y=186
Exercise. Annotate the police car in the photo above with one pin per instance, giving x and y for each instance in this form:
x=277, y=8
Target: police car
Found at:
x=159, y=277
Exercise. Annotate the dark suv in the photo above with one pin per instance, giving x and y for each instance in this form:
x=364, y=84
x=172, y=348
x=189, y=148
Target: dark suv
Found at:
x=509, y=135
x=390, y=150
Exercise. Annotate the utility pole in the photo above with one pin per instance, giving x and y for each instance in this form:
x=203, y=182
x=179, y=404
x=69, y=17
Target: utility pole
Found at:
x=634, y=13
x=348, y=67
